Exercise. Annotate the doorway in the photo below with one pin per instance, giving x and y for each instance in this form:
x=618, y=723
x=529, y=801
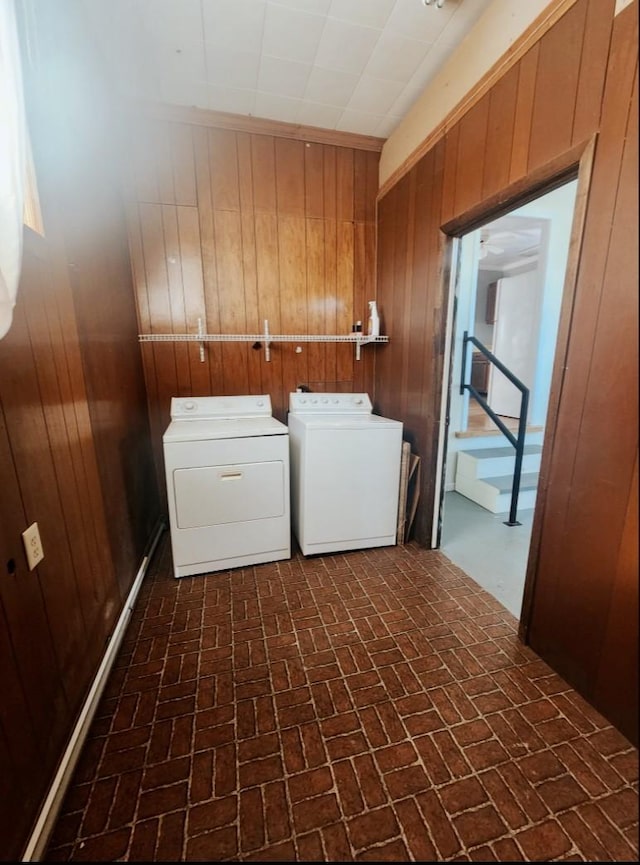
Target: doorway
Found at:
x=506, y=291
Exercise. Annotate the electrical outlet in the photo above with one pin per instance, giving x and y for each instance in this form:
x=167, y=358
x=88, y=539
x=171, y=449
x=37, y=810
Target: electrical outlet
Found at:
x=32, y=546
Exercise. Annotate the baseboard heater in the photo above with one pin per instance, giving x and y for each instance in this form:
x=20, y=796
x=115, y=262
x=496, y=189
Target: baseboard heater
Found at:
x=51, y=808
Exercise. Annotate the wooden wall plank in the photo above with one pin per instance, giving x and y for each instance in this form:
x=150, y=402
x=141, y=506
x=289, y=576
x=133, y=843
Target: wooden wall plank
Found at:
x=290, y=185
x=313, y=180
x=223, y=167
x=472, y=155
x=527, y=76
x=183, y=164
x=557, y=86
x=595, y=46
x=228, y=240
x=263, y=158
x=502, y=109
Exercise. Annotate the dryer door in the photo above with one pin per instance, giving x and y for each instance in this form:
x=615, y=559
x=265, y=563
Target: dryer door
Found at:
x=216, y=495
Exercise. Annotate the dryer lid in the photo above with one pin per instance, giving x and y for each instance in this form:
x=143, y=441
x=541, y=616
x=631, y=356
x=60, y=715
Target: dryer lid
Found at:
x=206, y=407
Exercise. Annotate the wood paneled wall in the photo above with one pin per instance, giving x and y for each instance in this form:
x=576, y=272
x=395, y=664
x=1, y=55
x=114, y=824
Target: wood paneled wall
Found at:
x=578, y=80
x=74, y=435
x=238, y=227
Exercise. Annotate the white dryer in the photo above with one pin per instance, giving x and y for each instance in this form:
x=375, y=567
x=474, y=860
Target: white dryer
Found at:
x=345, y=472
x=227, y=469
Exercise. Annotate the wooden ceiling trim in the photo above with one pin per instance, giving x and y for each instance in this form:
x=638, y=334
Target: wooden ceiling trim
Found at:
x=262, y=126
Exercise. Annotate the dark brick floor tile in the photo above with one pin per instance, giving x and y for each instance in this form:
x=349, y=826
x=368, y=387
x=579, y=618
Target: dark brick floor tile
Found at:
x=211, y=815
x=392, y=851
x=284, y=852
x=373, y=791
x=462, y=795
x=336, y=843
x=154, y=803
x=170, y=837
x=143, y=840
x=543, y=842
x=108, y=847
x=621, y=807
x=439, y=823
x=310, y=783
x=506, y=850
x=561, y=793
x=503, y=798
x=348, y=788
x=479, y=826
x=372, y=828
x=375, y=704
x=213, y=846
x=316, y=812
x=582, y=837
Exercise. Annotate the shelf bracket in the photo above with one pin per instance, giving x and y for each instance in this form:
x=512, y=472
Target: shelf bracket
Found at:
x=201, y=338
x=267, y=341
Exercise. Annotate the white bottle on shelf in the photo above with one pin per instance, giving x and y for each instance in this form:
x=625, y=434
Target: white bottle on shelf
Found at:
x=374, y=319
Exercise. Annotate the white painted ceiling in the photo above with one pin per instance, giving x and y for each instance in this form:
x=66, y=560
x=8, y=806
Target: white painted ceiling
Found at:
x=348, y=65
x=511, y=241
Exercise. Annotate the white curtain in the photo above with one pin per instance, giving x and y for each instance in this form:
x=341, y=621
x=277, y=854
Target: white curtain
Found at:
x=12, y=159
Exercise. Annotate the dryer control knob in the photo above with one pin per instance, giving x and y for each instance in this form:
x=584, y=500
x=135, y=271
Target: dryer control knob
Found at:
x=189, y=405
x=358, y=401
x=336, y=401
x=260, y=403
x=302, y=401
x=325, y=400
x=314, y=401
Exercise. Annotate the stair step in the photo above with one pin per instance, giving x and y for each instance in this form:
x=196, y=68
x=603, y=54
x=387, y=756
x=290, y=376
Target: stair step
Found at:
x=494, y=493
x=495, y=462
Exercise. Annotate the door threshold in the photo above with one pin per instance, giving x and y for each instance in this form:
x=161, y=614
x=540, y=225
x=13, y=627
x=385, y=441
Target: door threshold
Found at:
x=481, y=433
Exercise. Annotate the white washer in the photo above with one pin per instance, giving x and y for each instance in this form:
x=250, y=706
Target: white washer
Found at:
x=227, y=469
x=345, y=472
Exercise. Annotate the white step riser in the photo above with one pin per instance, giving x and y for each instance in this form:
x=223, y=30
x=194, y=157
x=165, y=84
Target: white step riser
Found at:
x=491, y=498
x=472, y=468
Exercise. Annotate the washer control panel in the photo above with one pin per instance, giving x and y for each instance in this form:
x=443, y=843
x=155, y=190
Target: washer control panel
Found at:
x=210, y=407
x=330, y=403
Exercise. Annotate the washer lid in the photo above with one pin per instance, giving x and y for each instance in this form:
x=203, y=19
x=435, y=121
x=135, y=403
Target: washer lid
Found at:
x=345, y=421
x=223, y=428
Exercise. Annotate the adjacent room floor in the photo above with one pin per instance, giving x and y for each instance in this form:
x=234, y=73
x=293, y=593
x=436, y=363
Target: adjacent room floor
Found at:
x=375, y=705
x=493, y=554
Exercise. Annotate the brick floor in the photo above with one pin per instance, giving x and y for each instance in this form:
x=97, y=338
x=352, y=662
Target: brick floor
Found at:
x=374, y=705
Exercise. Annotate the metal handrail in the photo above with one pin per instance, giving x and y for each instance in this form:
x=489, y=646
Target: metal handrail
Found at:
x=517, y=442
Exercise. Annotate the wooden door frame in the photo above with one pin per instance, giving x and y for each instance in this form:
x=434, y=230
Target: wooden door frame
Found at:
x=574, y=163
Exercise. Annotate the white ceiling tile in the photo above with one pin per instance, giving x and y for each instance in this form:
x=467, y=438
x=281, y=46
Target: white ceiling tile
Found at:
x=236, y=23
x=324, y=116
x=290, y=34
x=183, y=91
x=276, y=107
x=367, y=13
x=285, y=77
x=396, y=57
x=320, y=7
x=346, y=46
x=411, y=18
x=375, y=95
x=228, y=67
x=359, y=122
x=330, y=87
x=357, y=65
x=169, y=21
x=230, y=99
x=186, y=61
